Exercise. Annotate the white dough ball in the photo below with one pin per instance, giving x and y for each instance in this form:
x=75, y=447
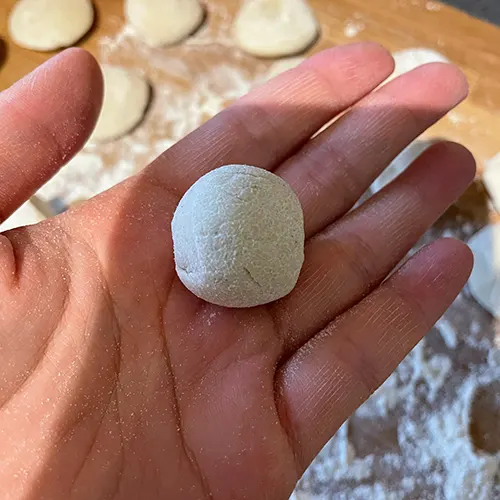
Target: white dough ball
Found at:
x=238, y=237
x=275, y=28
x=46, y=25
x=163, y=22
x=484, y=282
x=126, y=96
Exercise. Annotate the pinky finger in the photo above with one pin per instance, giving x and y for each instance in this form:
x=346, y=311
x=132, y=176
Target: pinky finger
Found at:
x=336, y=371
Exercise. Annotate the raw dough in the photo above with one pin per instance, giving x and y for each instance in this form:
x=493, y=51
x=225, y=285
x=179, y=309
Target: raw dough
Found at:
x=284, y=65
x=401, y=163
x=238, y=237
x=25, y=215
x=491, y=180
x=46, y=25
x=484, y=283
x=164, y=22
x=126, y=96
x=275, y=28
x=410, y=59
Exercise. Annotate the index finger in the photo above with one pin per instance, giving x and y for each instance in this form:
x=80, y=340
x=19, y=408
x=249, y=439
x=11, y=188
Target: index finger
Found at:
x=274, y=120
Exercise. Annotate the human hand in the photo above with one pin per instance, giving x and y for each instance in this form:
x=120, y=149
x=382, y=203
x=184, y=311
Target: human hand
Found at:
x=116, y=382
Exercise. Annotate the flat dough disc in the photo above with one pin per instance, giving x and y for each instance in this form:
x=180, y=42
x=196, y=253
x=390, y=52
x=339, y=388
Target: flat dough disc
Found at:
x=25, y=215
x=284, y=65
x=484, y=283
x=401, y=163
x=46, y=25
x=275, y=28
x=163, y=22
x=409, y=59
x=126, y=96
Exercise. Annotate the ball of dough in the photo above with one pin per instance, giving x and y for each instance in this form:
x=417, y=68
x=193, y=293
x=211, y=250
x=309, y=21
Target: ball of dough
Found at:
x=275, y=28
x=484, y=282
x=164, y=22
x=126, y=96
x=238, y=237
x=46, y=25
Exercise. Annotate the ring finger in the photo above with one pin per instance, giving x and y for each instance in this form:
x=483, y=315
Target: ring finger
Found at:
x=351, y=257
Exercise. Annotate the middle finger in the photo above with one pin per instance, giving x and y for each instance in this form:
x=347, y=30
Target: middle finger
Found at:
x=334, y=169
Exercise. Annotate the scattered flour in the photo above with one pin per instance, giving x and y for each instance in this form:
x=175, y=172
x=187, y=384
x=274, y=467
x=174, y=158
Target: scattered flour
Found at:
x=353, y=28
x=433, y=6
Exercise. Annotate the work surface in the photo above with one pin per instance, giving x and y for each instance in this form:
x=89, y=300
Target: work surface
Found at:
x=431, y=432
x=472, y=44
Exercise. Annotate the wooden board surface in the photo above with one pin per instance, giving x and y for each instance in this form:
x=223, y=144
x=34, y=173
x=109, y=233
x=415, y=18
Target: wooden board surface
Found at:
x=472, y=44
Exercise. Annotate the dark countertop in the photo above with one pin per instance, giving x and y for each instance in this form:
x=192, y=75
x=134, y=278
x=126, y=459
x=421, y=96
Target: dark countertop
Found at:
x=488, y=10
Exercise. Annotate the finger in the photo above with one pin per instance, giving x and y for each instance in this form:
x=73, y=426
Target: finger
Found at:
x=271, y=122
x=351, y=257
x=333, y=170
x=325, y=381
x=45, y=119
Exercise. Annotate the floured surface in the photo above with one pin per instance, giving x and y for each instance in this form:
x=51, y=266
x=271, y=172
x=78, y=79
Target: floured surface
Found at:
x=415, y=439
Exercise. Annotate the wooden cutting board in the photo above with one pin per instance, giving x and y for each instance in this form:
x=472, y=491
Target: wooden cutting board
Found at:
x=470, y=43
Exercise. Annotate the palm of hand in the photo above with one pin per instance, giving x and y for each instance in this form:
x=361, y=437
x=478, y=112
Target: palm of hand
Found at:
x=116, y=381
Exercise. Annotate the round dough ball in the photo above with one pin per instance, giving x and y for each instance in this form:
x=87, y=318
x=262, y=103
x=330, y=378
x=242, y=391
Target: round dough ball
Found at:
x=484, y=282
x=126, y=96
x=275, y=28
x=164, y=22
x=238, y=237
x=46, y=25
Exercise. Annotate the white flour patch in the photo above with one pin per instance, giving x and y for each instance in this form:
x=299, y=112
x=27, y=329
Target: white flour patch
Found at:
x=353, y=28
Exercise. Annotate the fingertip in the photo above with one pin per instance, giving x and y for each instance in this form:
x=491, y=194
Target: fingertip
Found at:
x=456, y=251
x=450, y=77
x=352, y=69
x=458, y=155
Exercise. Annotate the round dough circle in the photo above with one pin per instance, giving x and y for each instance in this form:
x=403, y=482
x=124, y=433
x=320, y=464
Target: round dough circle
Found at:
x=275, y=28
x=484, y=282
x=284, y=65
x=47, y=25
x=401, y=163
x=238, y=236
x=126, y=96
x=163, y=22
x=409, y=59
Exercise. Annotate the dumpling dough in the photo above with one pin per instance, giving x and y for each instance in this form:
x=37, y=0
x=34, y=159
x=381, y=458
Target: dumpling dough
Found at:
x=46, y=25
x=275, y=28
x=491, y=180
x=164, y=22
x=126, y=96
x=238, y=236
x=484, y=283
x=409, y=59
x=25, y=215
x=401, y=163
x=284, y=65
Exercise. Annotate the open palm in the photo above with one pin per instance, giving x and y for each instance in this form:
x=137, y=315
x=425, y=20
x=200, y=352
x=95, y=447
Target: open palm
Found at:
x=116, y=382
